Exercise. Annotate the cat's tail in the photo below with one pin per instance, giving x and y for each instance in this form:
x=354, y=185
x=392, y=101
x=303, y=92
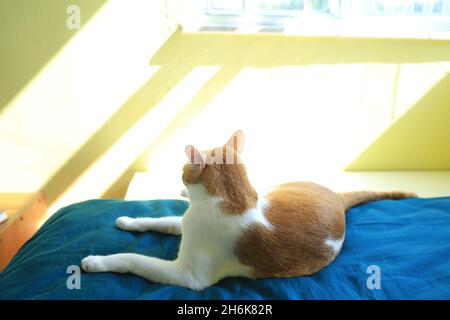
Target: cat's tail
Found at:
x=351, y=199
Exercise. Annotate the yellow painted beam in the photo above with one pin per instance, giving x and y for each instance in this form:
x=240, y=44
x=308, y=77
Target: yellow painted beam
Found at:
x=274, y=50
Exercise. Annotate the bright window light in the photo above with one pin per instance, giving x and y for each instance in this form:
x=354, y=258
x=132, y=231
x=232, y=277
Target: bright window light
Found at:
x=366, y=18
x=270, y=8
x=407, y=8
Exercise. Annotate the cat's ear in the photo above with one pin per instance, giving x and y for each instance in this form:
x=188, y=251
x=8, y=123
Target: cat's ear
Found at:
x=194, y=155
x=237, y=141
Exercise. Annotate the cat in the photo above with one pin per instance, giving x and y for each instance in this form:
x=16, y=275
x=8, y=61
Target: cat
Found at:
x=229, y=229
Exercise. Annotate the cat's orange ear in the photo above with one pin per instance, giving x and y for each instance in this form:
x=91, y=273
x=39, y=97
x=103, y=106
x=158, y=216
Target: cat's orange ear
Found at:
x=194, y=155
x=237, y=141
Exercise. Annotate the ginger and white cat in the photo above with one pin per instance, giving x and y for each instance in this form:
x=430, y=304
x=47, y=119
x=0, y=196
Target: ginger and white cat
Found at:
x=229, y=230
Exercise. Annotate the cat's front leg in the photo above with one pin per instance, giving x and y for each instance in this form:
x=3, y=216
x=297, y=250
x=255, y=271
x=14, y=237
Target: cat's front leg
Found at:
x=171, y=225
x=153, y=269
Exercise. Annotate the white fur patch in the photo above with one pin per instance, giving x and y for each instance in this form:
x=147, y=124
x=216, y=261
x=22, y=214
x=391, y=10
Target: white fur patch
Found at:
x=256, y=215
x=209, y=236
x=336, y=245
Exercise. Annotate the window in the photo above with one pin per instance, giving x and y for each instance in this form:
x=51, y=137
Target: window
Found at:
x=408, y=8
x=265, y=7
x=266, y=12
x=391, y=18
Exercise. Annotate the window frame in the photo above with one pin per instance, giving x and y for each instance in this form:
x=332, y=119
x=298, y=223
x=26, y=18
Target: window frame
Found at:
x=348, y=21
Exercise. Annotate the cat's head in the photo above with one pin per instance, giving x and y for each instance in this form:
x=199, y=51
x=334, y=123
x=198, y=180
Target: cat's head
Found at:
x=221, y=171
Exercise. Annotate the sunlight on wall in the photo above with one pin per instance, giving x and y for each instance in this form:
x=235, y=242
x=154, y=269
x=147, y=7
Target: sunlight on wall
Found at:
x=418, y=139
x=301, y=122
x=77, y=91
x=121, y=91
x=101, y=174
x=411, y=83
x=31, y=33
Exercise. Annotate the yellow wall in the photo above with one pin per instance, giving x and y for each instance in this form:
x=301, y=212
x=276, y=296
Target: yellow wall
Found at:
x=120, y=96
x=80, y=91
x=316, y=102
x=419, y=140
x=31, y=33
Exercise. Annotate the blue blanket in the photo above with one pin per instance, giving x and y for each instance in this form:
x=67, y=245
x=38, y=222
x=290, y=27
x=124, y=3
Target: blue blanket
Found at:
x=407, y=241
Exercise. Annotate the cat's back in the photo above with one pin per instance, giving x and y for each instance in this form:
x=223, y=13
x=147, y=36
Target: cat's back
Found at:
x=302, y=200
x=304, y=218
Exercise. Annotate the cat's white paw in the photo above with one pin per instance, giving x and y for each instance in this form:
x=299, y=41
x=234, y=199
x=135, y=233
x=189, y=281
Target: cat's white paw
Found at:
x=93, y=264
x=184, y=193
x=125, y=223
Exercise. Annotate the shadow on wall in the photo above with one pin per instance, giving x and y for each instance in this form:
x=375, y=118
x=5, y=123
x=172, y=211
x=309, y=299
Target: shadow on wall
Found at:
x=31, y=33
x=182, y=52
x=176, y=58
x=421, y=136
x=234, y=52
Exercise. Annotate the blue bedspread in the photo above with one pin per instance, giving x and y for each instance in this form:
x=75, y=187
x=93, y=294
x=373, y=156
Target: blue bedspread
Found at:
x=409, y=240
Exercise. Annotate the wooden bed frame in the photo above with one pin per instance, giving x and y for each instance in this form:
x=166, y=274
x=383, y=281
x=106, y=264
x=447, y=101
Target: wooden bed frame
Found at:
x=26, y=212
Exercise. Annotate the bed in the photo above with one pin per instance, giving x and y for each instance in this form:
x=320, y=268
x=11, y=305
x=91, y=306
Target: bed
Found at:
x=407, y=241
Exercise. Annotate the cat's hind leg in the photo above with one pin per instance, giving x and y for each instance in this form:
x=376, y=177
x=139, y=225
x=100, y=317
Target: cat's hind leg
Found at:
x=171, y=225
